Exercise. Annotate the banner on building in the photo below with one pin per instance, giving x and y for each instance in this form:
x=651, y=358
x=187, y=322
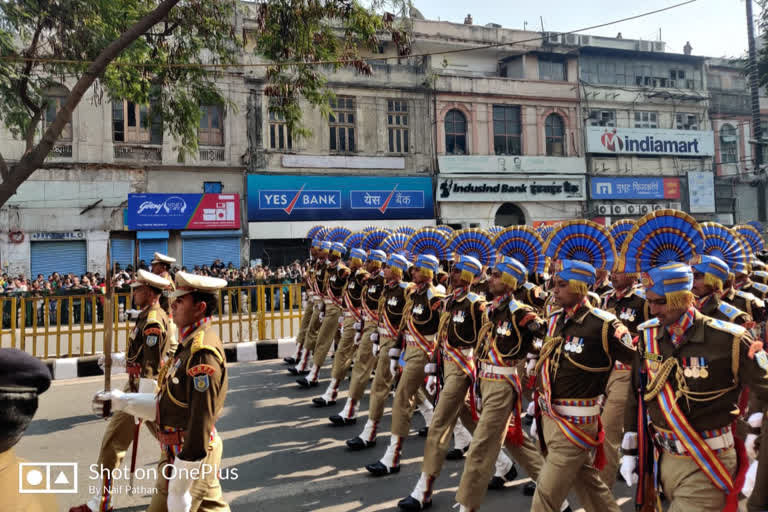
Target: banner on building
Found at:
x=701, y=191
x=183, y=211
x=650, y=141
x=301, y=198
x=634, y=188
x=544, y=188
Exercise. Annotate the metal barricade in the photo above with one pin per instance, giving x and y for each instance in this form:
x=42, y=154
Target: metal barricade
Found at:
x=73, y=325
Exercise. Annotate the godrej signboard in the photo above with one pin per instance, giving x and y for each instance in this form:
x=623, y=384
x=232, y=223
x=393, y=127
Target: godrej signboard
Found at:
x=646, y=141
x=183, y=211
x=287, y=198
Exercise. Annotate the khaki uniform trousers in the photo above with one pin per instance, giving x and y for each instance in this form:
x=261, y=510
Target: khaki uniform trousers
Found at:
x=304, y=326
x=568, y=467
x=206, y=490
x=758, y=500
x=407, y=390
x=310, y=338
x=449, y=407
x=616, y=396
x=490, y=433
x=345, y=349
x=687, y=488
x=364, y=362
x=382, y=381
x=326, y=334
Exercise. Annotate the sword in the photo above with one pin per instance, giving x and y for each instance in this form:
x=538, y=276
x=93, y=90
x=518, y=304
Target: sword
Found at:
x=134, y=451
x=108, y=319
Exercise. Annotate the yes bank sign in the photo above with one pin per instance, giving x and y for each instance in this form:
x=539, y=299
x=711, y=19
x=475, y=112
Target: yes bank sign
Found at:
x=609, y=140
x=290, y=197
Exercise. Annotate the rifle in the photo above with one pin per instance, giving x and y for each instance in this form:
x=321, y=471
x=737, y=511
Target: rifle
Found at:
x=108, y=320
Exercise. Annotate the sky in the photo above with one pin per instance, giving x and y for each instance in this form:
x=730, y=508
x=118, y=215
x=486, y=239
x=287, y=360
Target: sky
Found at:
x=715, y=28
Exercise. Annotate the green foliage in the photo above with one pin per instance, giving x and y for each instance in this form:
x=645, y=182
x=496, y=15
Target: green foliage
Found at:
x=163, y=67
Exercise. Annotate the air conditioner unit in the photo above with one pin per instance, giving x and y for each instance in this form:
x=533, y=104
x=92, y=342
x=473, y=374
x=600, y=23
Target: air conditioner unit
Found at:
x=603, y=209
x=645, y=208
x=657, y=207
x=585, y=40
x=658, y=46
x=633, y=209
x=553, y=38
x=618, y=209
x=676, y=206
x=644, y=46
x=572, y=39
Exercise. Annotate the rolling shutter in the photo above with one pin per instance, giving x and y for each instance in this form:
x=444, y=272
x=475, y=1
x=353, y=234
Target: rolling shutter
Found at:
x=62, y=257
x=122, y=252
x=151, y=242
x=198, y=249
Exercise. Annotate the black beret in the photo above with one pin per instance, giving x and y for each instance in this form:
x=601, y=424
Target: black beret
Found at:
x=20, y=371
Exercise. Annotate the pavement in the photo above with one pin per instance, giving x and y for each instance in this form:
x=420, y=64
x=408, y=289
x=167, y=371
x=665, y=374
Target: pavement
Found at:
x=280, y=453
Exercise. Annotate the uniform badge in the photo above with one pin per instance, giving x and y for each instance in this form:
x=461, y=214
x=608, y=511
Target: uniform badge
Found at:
x=332, y=279
x=418, y=309
x=392, y=301
x=151, y=340
x=458, y=317
x=202, y=382
x=351, y=286
x=503, y=329
x=372, y=289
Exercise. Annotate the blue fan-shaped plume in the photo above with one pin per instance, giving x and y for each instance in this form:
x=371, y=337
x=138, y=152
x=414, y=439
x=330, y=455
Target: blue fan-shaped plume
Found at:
x=752, y=237
x=721, y=242
x=444, y=227
x=407, y=230
x=581, y=240
x=322, y=234
x=428, y=240
x=524, y=244
x=473, y=242
x=354, y=240
x=338, y=234
x=663, y=236
x=368, y=229
x=373, y=239
x=494, y=230
x=395, y=243
x=545, y=230
x=313, y=231
x=757, y=225
x=619, y=231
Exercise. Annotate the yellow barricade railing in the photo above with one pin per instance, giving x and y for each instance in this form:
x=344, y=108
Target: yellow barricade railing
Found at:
x=73, y=325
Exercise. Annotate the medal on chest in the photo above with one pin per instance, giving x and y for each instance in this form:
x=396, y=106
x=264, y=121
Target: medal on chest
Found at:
x=538, y=343
x=392, y=301
x=332, y=279
x=372, y=289
x=351, y=286
x=418, y=309
x=695, y=367
x=503, y=329
x=628, y=314
x=458, y=317
x=574, y=344
x=174, y=368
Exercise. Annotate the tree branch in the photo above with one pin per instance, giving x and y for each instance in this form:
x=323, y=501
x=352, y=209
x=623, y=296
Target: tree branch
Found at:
x=34, y=158
x=23, y=93
x=3, y=169
x=29, y=137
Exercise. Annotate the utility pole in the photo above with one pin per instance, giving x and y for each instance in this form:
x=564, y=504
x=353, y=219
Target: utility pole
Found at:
x=757, y=132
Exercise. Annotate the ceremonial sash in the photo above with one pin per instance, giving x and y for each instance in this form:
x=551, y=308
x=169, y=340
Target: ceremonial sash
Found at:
x=459, y=359
x=420, y=341
x=356, y=313
x=514, y=427
x=368, y=311
x=694, y=444
x=389, y=327
x=573, y=433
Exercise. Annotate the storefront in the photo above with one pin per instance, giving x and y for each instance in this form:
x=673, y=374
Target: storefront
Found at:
x=282, y=208
x=58, y=252
x=617, y=197
x=196, y=229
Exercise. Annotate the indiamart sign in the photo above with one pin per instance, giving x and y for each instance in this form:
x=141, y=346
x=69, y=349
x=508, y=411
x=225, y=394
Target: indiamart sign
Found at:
x=648, y=141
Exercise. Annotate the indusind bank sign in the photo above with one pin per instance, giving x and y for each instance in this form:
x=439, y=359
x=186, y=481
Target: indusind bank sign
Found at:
x=650, y=141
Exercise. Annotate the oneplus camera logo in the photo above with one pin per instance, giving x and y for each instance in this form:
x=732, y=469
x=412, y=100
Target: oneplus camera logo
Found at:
x=48, y=477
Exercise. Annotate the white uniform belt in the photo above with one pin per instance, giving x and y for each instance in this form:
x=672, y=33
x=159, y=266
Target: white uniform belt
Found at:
x=411, y=339
x=384, y=331
x=316, y=298
x=721, y=442
x=492, y=369
x=328, y=302
x=576, y=411
x=347, y=314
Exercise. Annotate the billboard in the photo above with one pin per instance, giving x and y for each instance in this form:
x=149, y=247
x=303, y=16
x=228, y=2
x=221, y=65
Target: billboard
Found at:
x=301, y=198
x=183, y=211
x=650, y=141
x=634, y=188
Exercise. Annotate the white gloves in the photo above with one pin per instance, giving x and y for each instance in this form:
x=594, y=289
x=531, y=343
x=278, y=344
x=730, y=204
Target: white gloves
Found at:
x=358, y=326
x=394, y=355
x=118, y=360
x=341, y=321
x=140, y=405
x=531, y=410
x=534, y=431
x=530, y=365
x=755, y=420
x=375, y=348
x=321, y=316
x=375, y=337
x=628, y=469
x=430, y=368
x=393, y=366
x=432, y=384
x=179, y=498
x=749, y=444
x=749, y=480
x=357, y=338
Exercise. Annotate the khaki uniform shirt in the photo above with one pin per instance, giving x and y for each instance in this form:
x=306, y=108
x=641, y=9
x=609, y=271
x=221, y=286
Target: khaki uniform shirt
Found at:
x=148, y=344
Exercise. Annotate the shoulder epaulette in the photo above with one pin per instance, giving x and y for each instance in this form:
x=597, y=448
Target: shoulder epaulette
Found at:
x=154, y=318
x=474, y=297
x=603, y=314
x=434, y=293
x=640, y=292
x=404, y=285
x=746, y=295
x=653, y=322
x=529, y=285
x=198, y=344
x=728, y=327
x=762, y=288
x=515, y=305
x=729, y=311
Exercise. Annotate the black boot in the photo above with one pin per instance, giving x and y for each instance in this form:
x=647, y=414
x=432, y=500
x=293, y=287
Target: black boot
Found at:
x=304, y=383
x=456, y=453
x=412, y=504
x=340, y=422
x=356, y=444
x=497, y=482
x=423, y=431
x=379, y=469
x=529, y=489
x=320, y=402
x=290, y=360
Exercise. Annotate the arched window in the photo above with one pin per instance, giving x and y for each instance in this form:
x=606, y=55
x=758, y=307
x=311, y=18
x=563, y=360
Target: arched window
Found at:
x=555, y=132
x=56, y=96
x=455, y=133
x=728, y=152
x=509, y=214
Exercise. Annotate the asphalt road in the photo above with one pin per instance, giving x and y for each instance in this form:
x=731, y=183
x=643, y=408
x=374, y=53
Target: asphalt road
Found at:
x=286, y=455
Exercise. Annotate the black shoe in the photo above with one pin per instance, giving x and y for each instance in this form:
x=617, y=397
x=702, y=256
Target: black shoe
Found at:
x=379, y=469
x=620, y=477
x=356, y=444
x=529, y=489
x=497, y=482
x=293, y=371
x=412, y=504
x=320, y=402
x=290, y=360
x=456, y=453
x=304, y=383
x=423, y=431
x=568, y=509
x=339, y=421
x=527, y=420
